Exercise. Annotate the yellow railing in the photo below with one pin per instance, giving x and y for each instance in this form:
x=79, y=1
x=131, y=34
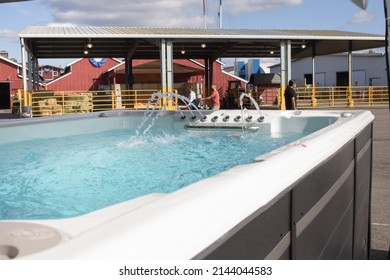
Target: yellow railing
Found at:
x=49, y=103
x=342, y=97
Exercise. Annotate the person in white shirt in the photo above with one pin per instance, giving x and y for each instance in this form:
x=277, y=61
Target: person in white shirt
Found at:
x=192, y=94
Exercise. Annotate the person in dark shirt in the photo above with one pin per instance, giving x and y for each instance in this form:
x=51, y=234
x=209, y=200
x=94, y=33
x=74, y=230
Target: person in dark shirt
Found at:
x=290, y=96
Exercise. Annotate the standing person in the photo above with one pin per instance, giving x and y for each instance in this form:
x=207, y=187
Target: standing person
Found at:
x=199, y=102
x=290, y=96
x=214, y=97
x=192, y=94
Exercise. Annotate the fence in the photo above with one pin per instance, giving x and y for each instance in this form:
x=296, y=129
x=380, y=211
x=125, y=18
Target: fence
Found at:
x=50, y=103
x=342, y=97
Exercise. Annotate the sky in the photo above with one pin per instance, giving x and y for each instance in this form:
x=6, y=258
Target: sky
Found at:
x=256, y=14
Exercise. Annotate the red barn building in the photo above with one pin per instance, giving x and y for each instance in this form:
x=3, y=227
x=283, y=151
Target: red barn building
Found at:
x=49, y=72
x=10, y=79
x=99, y=74
x=93, y=74
x=186, y=71
x=83, y=74
x=106, y=74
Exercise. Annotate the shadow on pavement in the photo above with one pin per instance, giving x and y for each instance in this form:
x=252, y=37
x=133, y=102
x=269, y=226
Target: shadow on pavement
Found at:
x=379, y=255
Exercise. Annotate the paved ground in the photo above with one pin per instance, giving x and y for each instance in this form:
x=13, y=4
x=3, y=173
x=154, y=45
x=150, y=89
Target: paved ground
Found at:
x=380, y=204
x=6, y=114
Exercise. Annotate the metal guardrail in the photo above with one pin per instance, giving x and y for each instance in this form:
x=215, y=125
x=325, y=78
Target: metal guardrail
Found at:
x=342, y=97
x=51, y=103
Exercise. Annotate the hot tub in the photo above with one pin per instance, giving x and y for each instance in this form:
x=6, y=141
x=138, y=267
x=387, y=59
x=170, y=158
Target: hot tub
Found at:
x=308, y=199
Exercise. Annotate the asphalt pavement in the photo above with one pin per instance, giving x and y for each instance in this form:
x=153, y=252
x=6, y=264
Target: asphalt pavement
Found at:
x=380, y=199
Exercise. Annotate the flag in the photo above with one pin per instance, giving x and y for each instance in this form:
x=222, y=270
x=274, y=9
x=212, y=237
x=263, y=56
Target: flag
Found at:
x=362, y=4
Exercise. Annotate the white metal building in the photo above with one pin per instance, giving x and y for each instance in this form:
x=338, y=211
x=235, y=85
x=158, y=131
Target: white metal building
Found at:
x=332, y=70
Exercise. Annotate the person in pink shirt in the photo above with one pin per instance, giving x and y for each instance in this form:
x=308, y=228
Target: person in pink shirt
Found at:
x=214, y=97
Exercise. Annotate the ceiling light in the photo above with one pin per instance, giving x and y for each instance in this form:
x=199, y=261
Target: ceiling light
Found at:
x=89, y=45
x=271, y=52
x=86, y=51
x=183, y=51
x=203, y=45
x=303, y=46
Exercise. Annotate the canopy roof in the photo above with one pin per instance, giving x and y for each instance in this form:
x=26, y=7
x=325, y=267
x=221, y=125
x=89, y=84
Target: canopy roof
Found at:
x=144, y=43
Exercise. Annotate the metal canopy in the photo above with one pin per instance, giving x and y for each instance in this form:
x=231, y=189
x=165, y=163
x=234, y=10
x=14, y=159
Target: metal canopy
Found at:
x=144, y=43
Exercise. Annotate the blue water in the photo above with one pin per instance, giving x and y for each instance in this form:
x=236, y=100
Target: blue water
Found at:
x=66, y=177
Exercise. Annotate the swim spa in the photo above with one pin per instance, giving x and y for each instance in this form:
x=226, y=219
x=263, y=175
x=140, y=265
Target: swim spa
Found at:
x=306, y=198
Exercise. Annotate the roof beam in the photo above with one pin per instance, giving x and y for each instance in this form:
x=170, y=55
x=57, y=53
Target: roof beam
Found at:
x=223, y=50
x=133, y=48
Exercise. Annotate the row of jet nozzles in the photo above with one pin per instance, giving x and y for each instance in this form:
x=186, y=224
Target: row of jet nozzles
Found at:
x=236, y=119
x=227, y=118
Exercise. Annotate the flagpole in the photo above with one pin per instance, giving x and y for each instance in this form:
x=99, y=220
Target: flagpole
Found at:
x=220, y=14
x=387, y=27
x=204, y=14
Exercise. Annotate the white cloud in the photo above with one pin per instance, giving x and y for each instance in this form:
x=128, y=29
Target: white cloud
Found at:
x=9, y=35
x=168, y=13
x=151, y=13
x=244, y=6
x=362, y=17
x=5, y=33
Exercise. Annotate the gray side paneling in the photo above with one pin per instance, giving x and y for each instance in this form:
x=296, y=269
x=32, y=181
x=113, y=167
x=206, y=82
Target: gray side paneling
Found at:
x=363, y=146
x=325, y=216
x=361, y=234
x=363, y=138
x=314, y=186
x=363, y=167
x=332, y=225
x=345, y=251
x=339, y=245
x=258, y=237
x=286, y=255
